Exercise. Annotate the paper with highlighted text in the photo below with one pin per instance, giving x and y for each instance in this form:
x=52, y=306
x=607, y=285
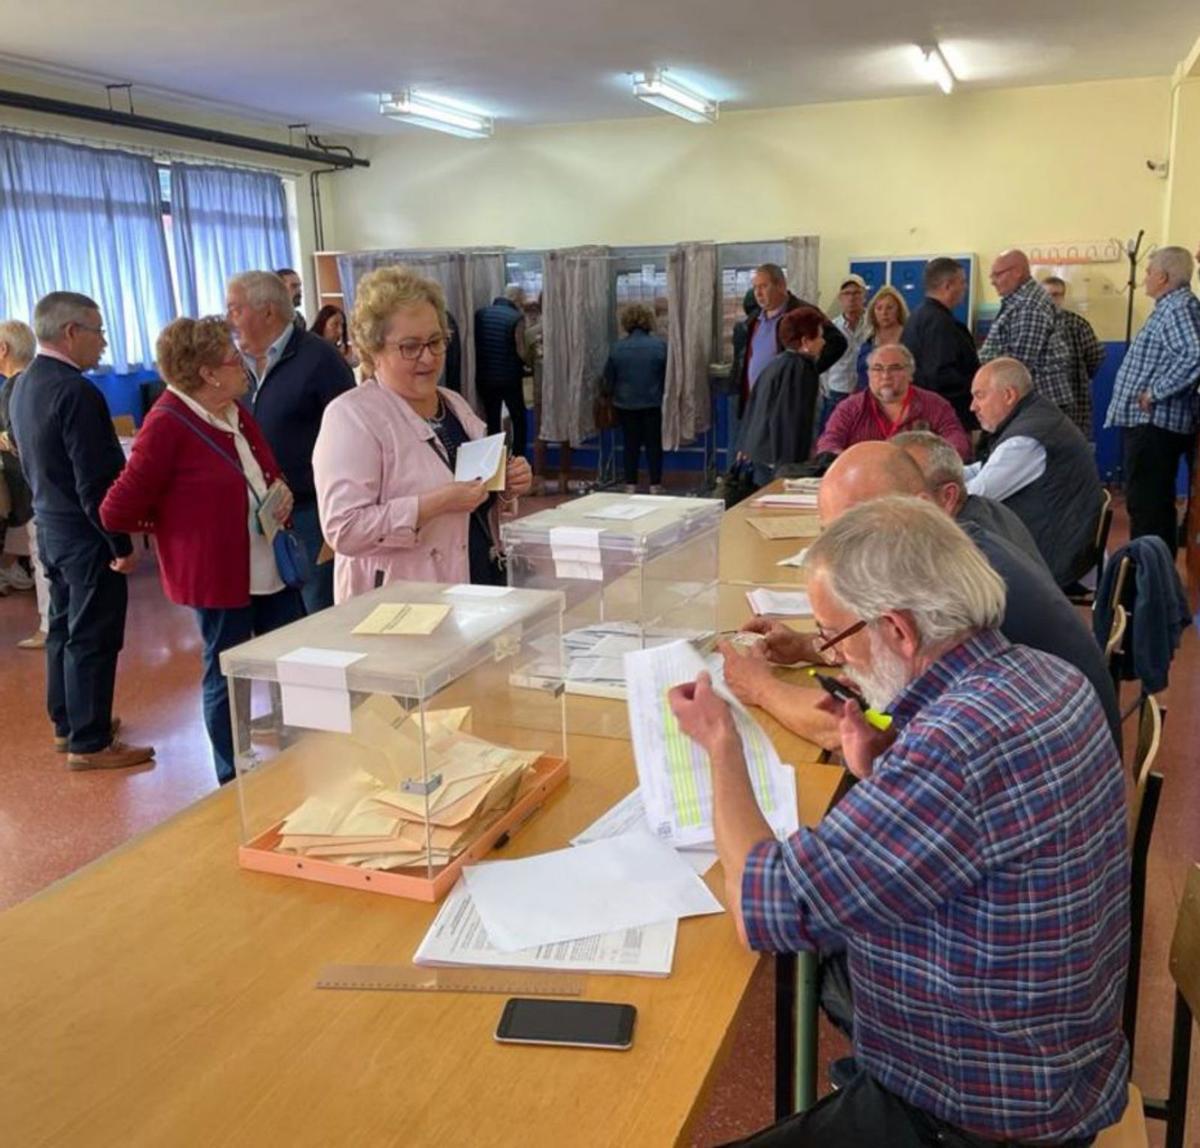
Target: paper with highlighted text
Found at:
x=674, y=773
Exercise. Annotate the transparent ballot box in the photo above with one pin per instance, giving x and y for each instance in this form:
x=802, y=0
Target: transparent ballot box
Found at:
x=637, y=570
x=392, y=743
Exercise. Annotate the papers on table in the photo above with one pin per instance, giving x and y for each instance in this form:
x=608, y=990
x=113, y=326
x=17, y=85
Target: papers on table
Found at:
x=313, y=685
x=617, y=883
x=674, y=773
x=629, y=814
x=799, y=500
x=576, y=553
x=796, y=559
x=801, y=485
x=403, y=618
x=482, y=458
x=622, y=511
x=457, y=937
x=789, y=603
x=786, y=526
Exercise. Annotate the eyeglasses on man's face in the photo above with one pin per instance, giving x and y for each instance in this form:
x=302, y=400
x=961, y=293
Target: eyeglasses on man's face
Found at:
x=94, y=330
x=887, y=369
x=411, y=349
x=827, y=644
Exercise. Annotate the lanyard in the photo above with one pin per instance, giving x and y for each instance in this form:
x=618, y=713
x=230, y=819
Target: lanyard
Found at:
x=885, y=428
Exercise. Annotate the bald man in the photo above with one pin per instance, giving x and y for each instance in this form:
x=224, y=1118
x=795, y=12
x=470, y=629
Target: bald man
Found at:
x=1039, y=465
x=1026, y=329
x=1038, y=614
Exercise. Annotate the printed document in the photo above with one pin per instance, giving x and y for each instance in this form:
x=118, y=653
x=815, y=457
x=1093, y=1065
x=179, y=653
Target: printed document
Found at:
x=674, y=772
x=630, y=813
x=617, y=883
x=457, y=937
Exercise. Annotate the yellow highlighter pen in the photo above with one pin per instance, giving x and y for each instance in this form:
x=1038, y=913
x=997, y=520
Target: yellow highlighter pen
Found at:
x=845, y=693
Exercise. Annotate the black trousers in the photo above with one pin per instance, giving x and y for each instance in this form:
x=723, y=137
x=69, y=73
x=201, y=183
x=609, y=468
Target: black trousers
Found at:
x=85, y=635
x=1151, y=457
x=642, y=428
x=511, y=395
x=864, y=1114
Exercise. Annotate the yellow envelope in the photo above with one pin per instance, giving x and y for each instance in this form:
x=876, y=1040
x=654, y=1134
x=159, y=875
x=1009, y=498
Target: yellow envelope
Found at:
x=403, y=618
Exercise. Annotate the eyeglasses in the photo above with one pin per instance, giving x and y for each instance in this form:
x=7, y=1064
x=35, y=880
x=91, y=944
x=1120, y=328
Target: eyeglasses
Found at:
x=410, y=349
x=94, y=330
x=827, y=644
x=888, y=369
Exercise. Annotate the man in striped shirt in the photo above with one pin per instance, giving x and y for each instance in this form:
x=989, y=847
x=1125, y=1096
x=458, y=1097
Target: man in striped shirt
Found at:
x=1155, y=399
x=977, y=875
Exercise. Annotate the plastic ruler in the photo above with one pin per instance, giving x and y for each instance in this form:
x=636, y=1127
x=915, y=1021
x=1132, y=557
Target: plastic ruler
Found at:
x=412, y=979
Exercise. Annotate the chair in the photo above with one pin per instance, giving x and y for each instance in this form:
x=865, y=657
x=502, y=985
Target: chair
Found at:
x=1079, y=594
x=1112, y=648
x=1185, y=971
x=1143, y=806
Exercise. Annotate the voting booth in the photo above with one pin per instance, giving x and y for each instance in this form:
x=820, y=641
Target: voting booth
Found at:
x=392, y=744
x=636, y=570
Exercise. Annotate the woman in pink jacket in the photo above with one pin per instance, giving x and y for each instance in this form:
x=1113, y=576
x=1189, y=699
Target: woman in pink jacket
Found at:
x=384, y=460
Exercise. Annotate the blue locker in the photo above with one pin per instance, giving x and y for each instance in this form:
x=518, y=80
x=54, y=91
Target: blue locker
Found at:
x=874, y=271
x=908, y=277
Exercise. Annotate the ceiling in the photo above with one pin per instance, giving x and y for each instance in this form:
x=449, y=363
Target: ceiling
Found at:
x=542, y=61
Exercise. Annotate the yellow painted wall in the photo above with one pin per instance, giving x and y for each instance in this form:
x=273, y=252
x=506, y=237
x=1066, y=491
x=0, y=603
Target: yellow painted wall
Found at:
x=977, y=171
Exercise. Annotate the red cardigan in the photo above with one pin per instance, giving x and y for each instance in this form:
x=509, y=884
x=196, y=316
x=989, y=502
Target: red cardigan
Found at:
x=176, y=488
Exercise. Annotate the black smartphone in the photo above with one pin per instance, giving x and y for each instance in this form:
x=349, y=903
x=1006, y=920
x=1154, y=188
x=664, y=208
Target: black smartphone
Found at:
x=580, y=1024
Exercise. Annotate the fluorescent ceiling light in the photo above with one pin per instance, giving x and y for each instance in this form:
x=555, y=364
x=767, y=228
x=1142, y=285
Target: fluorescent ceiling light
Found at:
x=937, y=68
x=439, y=114
x=672, y=96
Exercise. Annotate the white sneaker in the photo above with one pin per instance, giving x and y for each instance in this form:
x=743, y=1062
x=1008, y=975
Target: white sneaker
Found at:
x=15, y=578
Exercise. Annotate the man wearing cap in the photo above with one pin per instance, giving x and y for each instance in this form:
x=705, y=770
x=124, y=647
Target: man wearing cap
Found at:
x=840, y=380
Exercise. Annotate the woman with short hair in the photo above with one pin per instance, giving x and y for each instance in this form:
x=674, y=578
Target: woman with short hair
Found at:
x=385, y=458
x=635, y=378
x=197, y=472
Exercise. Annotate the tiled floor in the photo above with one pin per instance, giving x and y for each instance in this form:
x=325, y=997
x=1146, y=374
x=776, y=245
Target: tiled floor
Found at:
x=52, y=822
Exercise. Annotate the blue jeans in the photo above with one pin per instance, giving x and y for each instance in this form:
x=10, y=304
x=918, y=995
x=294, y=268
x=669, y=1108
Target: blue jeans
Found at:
x=222, y=629
x=828, y=403
x=318, y=590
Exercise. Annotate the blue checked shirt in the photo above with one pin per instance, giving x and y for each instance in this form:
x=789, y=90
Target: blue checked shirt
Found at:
x=1026, y=329
x=1164, y=359
x=979, y=881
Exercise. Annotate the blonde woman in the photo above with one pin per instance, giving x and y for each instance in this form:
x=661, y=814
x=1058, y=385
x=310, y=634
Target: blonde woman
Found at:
x=886, y=315
x=384, y=460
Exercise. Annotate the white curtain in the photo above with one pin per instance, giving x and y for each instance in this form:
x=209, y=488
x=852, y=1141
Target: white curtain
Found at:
x=691, y=293
x=576, y=315
x=470, y=279
x=803, y=264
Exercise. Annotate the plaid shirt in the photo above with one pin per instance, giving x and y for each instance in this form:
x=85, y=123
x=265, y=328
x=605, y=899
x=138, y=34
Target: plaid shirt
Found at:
x=1026, y=329
x=1087, y=353
x=1164, y=359
x=979, y=880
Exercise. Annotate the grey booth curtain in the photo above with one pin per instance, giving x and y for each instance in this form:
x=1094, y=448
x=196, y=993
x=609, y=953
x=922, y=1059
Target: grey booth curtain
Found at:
x=803, y=264
x=691, y=342
x=470, y=279
x=576, y=332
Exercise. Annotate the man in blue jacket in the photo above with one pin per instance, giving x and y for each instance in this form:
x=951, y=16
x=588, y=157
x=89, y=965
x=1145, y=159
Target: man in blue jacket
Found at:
x=70, y=454
x=295, y=376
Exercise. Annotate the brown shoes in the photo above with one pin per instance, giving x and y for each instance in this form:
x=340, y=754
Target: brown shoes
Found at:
x=116, y=756
x=36, y=642
x=60, y=743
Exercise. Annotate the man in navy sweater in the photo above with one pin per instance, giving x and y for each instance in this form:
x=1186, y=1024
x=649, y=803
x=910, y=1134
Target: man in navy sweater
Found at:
x=295, y=376
x=70, y=454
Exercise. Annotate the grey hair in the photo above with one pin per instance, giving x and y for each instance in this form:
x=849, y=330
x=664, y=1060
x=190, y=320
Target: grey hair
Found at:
x=906, y=355
x=18, y=337
x=903, y=553
x=264, y=288
x=1010, y=373
x=1175, y=262
x=940, y=464
x=773, y=272
x=56, y=311
x=515, y=293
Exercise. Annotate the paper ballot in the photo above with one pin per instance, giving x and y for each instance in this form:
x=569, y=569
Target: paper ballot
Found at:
x=482, y=458
x=796, y=559
x=797, y=500
x=789, y=603
x=457, y=937
x=403, y=618
x=620, y=882
x=674, y=773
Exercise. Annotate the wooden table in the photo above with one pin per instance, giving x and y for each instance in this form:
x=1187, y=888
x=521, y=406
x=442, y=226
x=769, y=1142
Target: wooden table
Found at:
x=749, y=558
x=163, y=996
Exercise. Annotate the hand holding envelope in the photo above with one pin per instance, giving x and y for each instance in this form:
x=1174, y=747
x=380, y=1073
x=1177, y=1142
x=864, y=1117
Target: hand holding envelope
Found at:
x=483, y=460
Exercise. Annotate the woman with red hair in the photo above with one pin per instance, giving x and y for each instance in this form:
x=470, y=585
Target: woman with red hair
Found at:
x=779, y=420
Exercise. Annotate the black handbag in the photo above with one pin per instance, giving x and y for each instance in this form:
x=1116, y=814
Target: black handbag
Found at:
x=291, y=555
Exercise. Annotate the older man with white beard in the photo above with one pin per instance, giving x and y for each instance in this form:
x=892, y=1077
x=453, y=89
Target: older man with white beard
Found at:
x=977, y=876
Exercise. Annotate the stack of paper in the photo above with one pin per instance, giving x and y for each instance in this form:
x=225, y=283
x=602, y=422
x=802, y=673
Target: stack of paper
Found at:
x=798, y=500
x=791, y=603
x=369, y=819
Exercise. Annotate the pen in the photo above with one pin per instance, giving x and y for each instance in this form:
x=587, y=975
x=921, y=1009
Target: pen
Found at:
x=845, y=693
